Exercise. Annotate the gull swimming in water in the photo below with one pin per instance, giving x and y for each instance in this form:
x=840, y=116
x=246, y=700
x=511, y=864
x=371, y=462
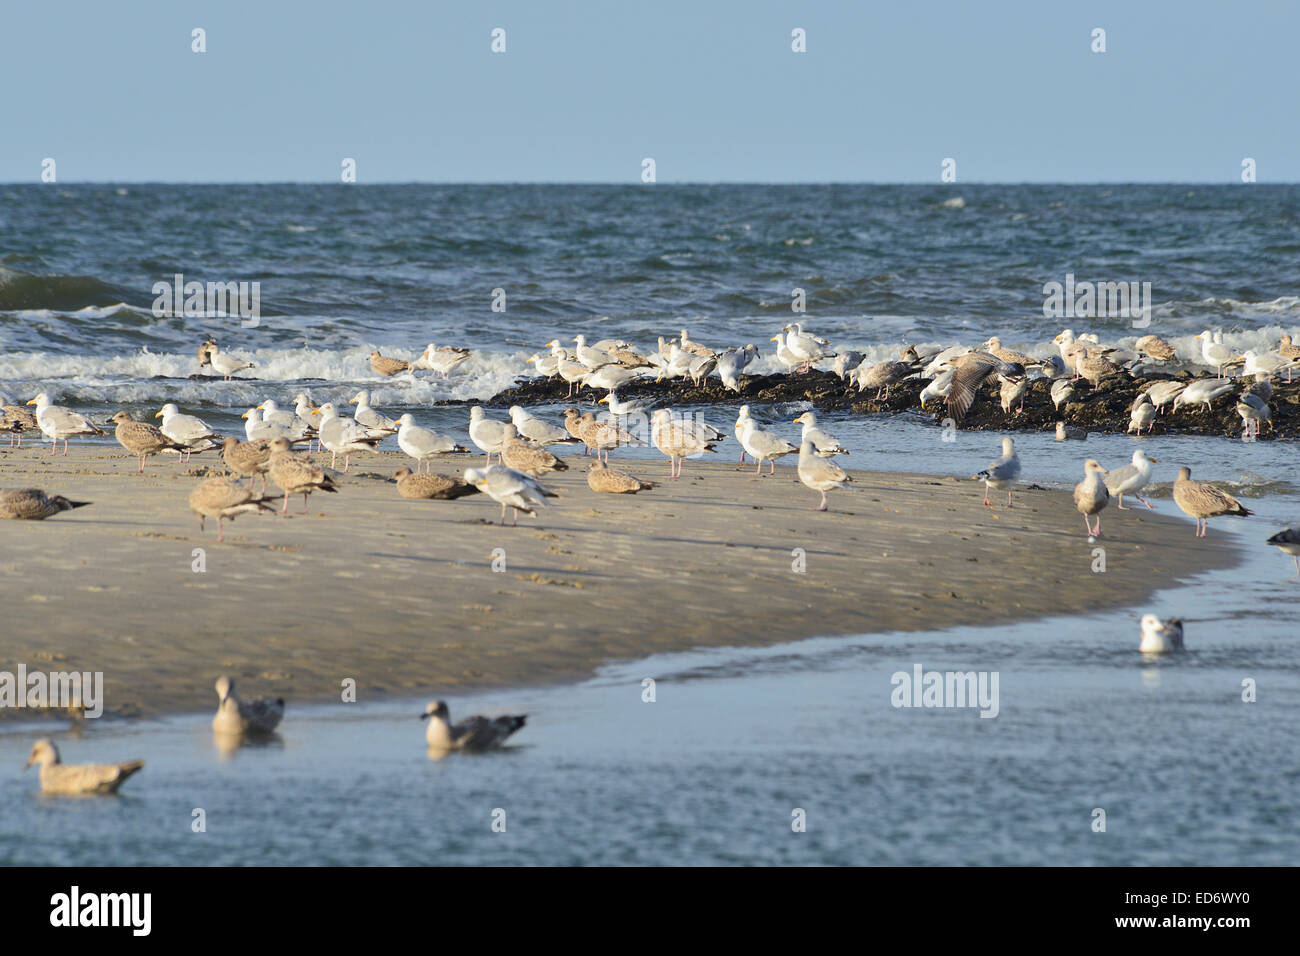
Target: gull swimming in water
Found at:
x=1288, y=540
x=1131, y=479
x=73, y=780
x=1002, y=472
x=824, y=446
x=510, y=488
x=1091, y=495
x=1161, y=637
x=471, y=734
x=259, y=715
x=818, y=473
x=1203, y=501
x=1066, y=432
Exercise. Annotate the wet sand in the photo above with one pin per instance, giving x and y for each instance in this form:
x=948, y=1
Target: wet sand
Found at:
x=401, y=596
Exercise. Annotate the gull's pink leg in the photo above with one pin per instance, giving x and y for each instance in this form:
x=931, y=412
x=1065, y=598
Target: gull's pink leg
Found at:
x=285, y=508
x=759, y=469
x=1120, y=505
x=220, y=532
x=822, y=507
x=304, y=502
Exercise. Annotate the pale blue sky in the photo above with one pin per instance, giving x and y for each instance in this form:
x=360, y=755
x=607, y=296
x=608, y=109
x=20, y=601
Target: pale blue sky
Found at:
x=588, y=88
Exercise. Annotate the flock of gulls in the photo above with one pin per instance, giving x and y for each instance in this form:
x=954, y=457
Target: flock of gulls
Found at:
x=525, y=447
x=256, y=719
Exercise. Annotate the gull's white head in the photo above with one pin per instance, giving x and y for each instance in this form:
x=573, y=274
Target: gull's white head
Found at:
x=167, y=411
x=326, y=411
x=436, y=708
x=361, y=398
x=1008, y=446
x=474, y=476
x=807, y=418
x=41, y=401
x=225, y=688
x=1141, y=458
x=1092, y=466
x=253, y=416
x=406, y=420
x=475, y=413
x=43, y=752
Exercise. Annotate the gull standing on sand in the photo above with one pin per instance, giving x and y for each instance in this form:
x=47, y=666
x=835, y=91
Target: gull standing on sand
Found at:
x=486, y=432
x=257, y=429
x=296, y=475
x=423, y=444
x=761, y=445
x=57, y=422
x=824, y=446
x=471, y=734
x=1288, y=540
x=222, y=498
x=1002, y=472
x=1161, y=637
x=1091, y=495
x=75, y=780
x=511, y=488
x=601, y=478
x=247, y=458
x=194, y=433
x=343, y=435
x=818, y=473
x=680, y=439
x=410, y=485
x=1131, y=479
x=142, y=439
x=1203, y=501
x=297, y=425
x=259, y=715
x=32, y=504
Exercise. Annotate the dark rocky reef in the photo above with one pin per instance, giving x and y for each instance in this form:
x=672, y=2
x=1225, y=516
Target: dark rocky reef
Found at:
x=1101, y=408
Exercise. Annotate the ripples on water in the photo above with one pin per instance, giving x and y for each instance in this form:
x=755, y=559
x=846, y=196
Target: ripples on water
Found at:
x=1187, y=773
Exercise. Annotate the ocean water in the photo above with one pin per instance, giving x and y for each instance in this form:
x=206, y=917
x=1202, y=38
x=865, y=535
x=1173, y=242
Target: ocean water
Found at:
x=737, y=739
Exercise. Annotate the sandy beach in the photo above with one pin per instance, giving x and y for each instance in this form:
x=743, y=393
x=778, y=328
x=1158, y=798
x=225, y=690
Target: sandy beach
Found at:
x=401, y=595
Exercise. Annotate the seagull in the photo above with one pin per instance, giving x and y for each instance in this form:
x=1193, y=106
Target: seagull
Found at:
x=1162, y=393
x=193, y=433
x=386, y=366
x=1253, y=410
x=1001, y=472
x=510, y=488
x=222, y=498
x=591, y=357
x=255, y=429
x=1213, y=351
x=1288, y=540
x=296, y=475
x=295, y=422
x=486, y=432
x=1091, y=495
x=343, y=435
x=225, y=363
x=824, y=446
x=602, y=478
x=1204, y=390
x=142, y=439
x=526, y=456
x=938, y=388
x=762, y=445
x=260, y=715
x=32, y=504
x=1161, y=637
x=818, y=473
x=969, y=372
x=422, y=444
x=471, y=734
x=57, y=422
x=1131, y=479
x=1066, y=432
x=617, y=407
x=441, y=360
x=371, y=420
x=1143, y=414
x=680, y=439
x=68, y=780
x=1203, y=501
x=783, y=353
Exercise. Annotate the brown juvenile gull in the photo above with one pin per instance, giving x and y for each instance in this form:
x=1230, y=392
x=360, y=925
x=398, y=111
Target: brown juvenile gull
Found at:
x=250, y=458
x=882, y=376
x=296, y=475
x=386, y=366
x=259, y=715
x=679, y=439
x=472, y=733
x=57, y=422
x=511, y=488
x=32, y=504
x=526, y=457
x=1204, y=501
x=1161, y=637
x=412, y=485
x=224, y=498
x=1156, y=347
x=142, y=439
x=1288, y=540
x=969, y=372
x=603, y=436
x=1002, y=472
x=1091, y=496
x=994, y=347
x=1011, y=391
x=600, y=477
x=1095, y=367
x=76, y=780
x=573, y=425
x=818, y=473
x=203, y=350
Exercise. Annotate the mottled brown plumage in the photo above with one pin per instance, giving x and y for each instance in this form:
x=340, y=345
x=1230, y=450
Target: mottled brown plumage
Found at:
x=32, y=504
x=296, y=475
x=142, y=439
x=1203, y=501
x=600, y=477
x=430, y=485
x=388, y=366
x=223, y=498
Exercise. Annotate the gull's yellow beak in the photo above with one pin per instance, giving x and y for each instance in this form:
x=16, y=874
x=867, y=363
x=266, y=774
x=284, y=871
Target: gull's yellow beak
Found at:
x=604, y=401
x=32, y=402
x=772, y=339
x=1150, y=459
x=157, y=415
x=245, y=415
